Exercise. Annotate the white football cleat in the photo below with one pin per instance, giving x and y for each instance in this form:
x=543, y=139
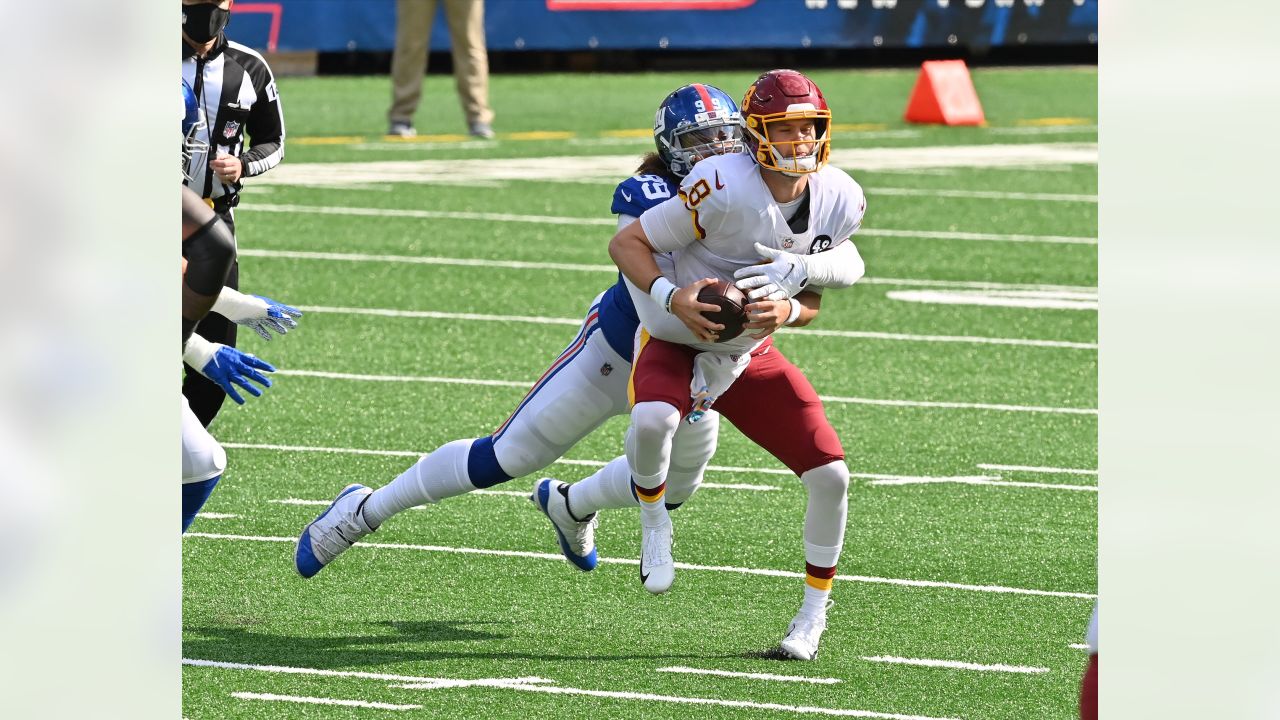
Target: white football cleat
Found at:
x=657, y=567
x=577, y=537
x=801, y=642
x=335, y=530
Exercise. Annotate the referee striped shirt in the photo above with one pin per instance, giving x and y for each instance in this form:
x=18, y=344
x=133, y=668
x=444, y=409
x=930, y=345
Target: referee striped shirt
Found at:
x=237, y=91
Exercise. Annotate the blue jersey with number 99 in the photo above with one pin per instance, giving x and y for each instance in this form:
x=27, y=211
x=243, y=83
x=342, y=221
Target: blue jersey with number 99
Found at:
x=618, y=319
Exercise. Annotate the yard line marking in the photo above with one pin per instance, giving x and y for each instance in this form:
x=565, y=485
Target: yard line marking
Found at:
x=938, y=584
x=980, y=480
x=982, y=194
x=1036, y=469
x=611, y=222
x=216, y=516
x=613, y=270
x=302, y=448
x=1029, y=299
x=1078, y=646
x=851, y=334
x=739, y=486
x=1044, y=130
x=322, y=701
x=289, y=670
x=561, y=461
x=615, y=167
x=958, y=665
x=621, y=695
x=750, y=675
x=825, y=398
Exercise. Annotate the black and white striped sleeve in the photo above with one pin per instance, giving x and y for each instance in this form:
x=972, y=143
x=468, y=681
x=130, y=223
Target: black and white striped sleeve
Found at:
x=265, y=125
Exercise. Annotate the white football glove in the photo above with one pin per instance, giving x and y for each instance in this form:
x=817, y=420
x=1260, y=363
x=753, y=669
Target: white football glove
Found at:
x=781, y=278
x=262, y=314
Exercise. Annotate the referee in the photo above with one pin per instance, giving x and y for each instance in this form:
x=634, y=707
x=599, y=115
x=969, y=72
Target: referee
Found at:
x=235, y=88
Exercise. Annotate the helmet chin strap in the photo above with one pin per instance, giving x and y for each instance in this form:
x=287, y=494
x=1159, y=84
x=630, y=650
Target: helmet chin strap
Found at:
x=794, y=166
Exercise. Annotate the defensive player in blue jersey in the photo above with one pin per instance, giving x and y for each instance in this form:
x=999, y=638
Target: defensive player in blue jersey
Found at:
x=585, y=386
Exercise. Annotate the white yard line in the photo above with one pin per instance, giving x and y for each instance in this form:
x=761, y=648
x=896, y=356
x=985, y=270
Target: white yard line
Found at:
x=850, y=334
x=1079, y=646
x=933, y=584
x=981, y=194
x=305, y=700
x=825, y=398
x=613, y=270
x=289, y=670
x=979, y=480
x=750, y=675
x=681, y=700
x=1037, y=469
x=1031, y=300
x=216, y=516
x=611, y=222
x=956, y=665
x=616, y=167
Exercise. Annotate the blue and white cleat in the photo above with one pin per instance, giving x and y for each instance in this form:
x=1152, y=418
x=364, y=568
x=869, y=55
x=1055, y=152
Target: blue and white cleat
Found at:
x=577, y=537
x=335, y=530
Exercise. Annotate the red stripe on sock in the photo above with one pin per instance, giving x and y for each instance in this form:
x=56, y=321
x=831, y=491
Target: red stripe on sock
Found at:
x=820, y=572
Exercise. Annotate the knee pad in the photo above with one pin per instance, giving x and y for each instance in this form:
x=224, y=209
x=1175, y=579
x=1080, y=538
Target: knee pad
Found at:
x=830, y=481
x=653, y=421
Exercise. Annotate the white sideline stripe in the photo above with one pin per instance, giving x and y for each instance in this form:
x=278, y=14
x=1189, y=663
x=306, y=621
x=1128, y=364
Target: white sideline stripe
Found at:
x=416, y=454
x=1037, y=469
x=855, y=334
x=824, y=398
x=621, y=695
x=981, y=480
x=216, y=516
x=922, y=662
x=686, y=566
x=613, y=270
x=611, y=222
x=982, y=194
x=750, y=675
x=322, y=701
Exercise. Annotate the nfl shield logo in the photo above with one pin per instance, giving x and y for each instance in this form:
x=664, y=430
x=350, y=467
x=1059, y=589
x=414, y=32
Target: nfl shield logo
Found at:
x=230, y=129
x=788, y=243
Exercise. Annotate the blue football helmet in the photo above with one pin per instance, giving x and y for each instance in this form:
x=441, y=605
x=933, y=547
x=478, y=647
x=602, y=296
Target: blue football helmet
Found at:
x=696, y=122
x=193, y=126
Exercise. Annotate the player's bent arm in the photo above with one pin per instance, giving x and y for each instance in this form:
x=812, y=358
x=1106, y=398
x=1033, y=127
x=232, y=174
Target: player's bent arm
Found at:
x=632, y=253
x=209, y=250
x=804, y=308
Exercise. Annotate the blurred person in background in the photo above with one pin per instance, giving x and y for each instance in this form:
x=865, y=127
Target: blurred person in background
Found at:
x=470, y=63
x=236, y=94
x=1089, y=682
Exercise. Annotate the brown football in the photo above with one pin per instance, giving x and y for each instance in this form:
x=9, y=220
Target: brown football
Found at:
x=733, y=308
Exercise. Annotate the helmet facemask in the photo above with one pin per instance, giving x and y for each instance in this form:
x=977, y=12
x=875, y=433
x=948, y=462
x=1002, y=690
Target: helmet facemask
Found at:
x=194, y=150
x=699, y=142
x=769, y=153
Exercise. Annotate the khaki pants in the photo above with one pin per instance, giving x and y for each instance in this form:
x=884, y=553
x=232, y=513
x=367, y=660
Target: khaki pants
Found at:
x=470, y=57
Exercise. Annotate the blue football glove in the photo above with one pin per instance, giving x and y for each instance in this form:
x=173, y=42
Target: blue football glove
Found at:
x=262, y=314
x=227, y=367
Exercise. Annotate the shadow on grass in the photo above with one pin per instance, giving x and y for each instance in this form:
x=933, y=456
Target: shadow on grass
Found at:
x=404, y=642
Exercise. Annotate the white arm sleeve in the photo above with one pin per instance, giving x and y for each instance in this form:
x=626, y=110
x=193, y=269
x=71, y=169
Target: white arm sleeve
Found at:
x=839, y=267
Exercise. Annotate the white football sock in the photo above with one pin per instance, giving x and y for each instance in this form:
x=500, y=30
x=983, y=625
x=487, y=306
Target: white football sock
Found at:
x=609, y=487
x=437, y=476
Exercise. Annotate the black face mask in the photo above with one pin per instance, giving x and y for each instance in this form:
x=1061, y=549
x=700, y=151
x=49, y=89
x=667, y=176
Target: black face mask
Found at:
x=203, y=22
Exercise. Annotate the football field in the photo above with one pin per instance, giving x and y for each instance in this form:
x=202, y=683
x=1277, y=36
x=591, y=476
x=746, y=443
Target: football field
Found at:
x=441, y=276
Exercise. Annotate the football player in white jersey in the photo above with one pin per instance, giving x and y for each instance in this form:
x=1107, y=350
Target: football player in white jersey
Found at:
x=583, y=387
x=784, y=203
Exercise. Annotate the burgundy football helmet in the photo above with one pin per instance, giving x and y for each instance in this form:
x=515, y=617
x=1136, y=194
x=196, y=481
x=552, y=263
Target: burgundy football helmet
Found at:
x=779, y=96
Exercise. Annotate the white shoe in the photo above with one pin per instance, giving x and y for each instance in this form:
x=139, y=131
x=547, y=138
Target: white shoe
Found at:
x=657, y=567
x=801, y=642
x=577, y=537
x=335, y=530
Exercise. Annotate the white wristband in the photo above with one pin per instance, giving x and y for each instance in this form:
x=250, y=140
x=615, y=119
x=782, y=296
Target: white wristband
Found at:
x=796, y=307
x=662, y=291
x=198, y=352
x=236, y=306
